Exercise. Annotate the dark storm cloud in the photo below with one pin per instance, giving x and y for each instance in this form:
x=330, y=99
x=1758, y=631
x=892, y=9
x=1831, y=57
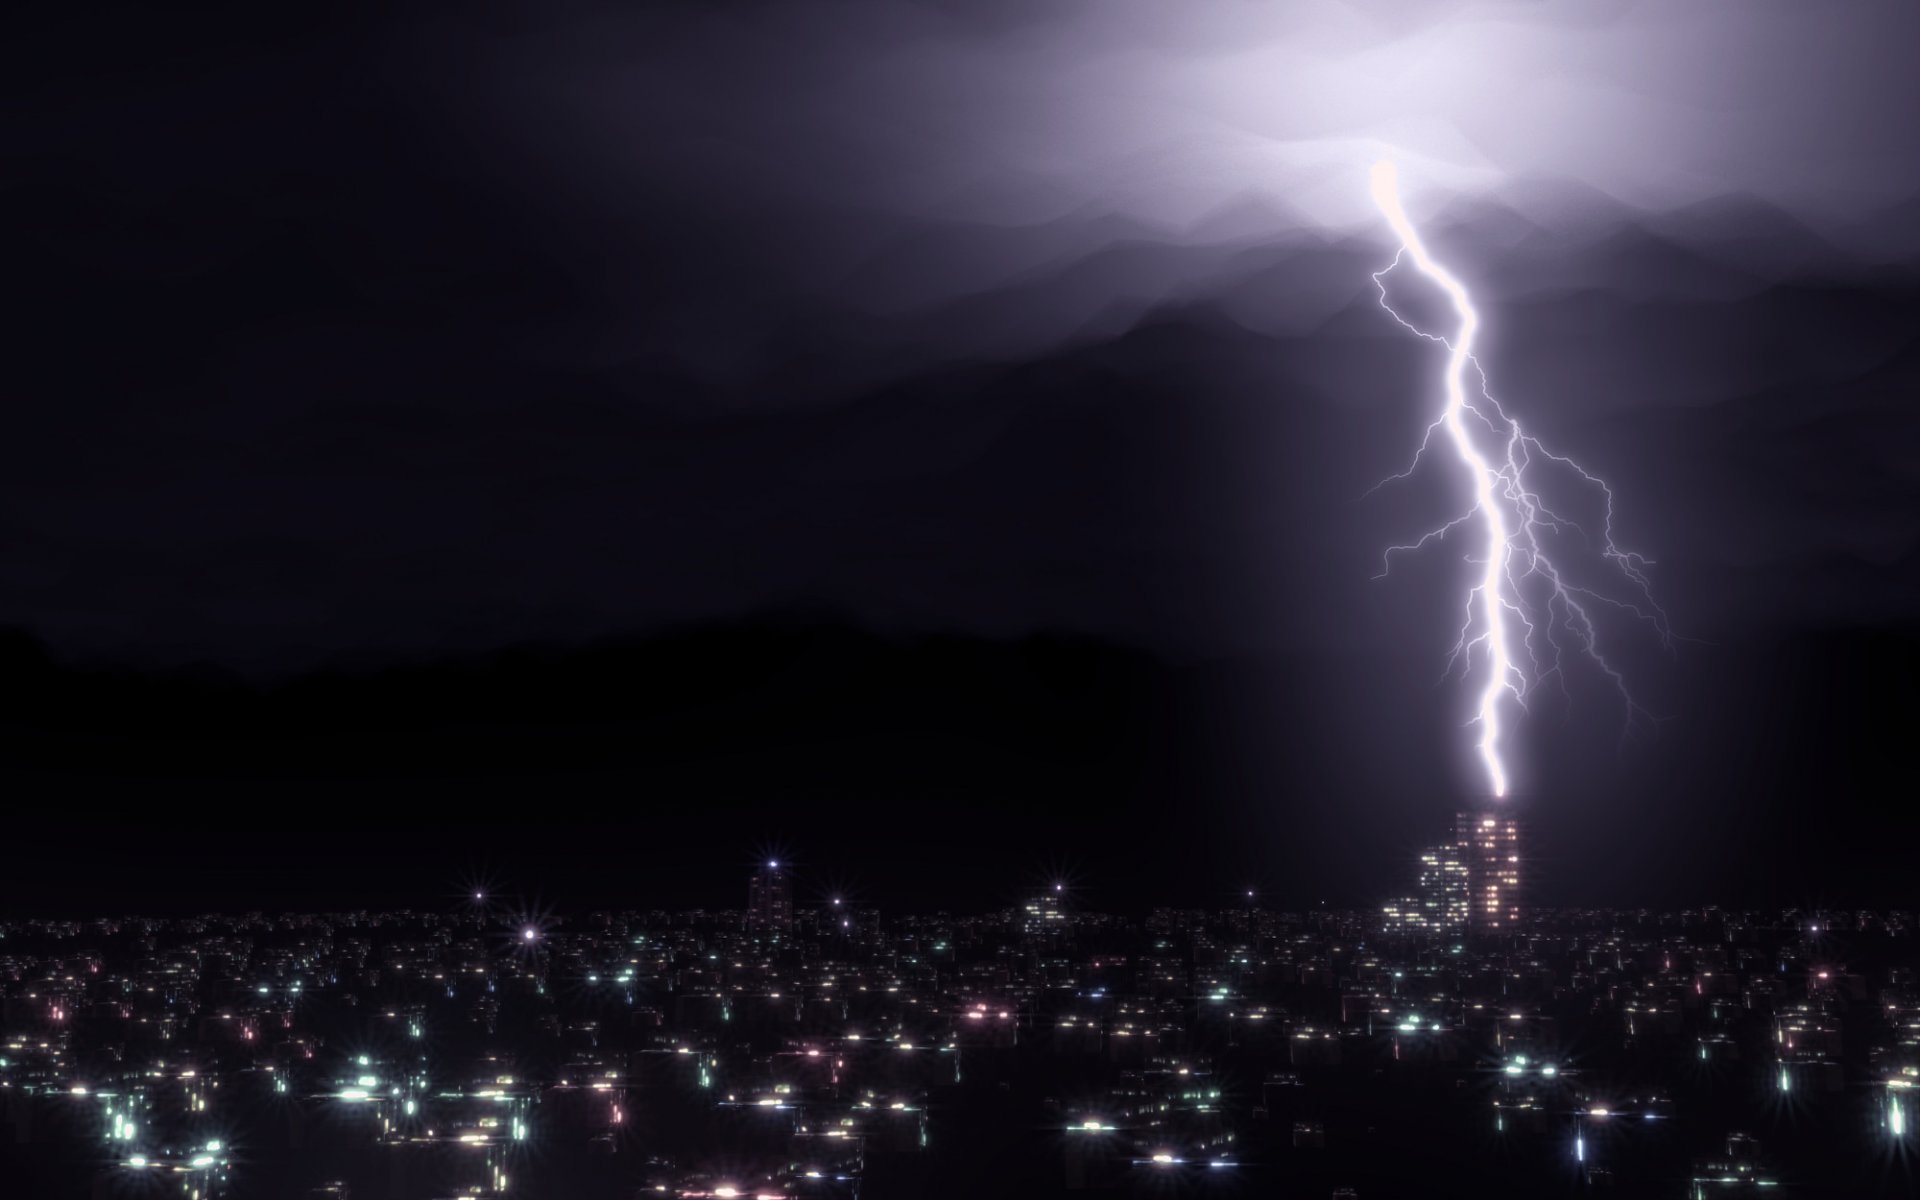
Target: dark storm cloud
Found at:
x=386, y=333
x=436, y=330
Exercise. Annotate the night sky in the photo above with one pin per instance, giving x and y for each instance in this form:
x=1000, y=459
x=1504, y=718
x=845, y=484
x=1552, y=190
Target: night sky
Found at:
x=590, y=446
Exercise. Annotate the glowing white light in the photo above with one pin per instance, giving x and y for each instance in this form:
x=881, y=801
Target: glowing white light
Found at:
x=1896, y=1119
x=1518, y=521
x=1502, y=675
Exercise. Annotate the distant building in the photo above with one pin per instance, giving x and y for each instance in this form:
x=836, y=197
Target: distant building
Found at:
x=1490, y=846
x=1403, y=915
x=770, y=899
x=1442, y=899
x=1741, y=1171
x=1044, y=915
x=1445, y=889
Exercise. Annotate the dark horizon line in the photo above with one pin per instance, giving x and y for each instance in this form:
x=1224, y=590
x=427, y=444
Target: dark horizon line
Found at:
x=548, y=915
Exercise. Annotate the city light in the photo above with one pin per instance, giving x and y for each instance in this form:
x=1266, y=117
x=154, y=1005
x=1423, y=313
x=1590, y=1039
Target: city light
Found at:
x=1177, y=1001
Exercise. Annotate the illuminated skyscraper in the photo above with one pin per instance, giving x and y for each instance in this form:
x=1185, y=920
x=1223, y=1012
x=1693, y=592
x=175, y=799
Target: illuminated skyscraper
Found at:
x=1442, y=897
x=1445, y=889
x=770, y=899
x=1044, y=915
x=1490, y=845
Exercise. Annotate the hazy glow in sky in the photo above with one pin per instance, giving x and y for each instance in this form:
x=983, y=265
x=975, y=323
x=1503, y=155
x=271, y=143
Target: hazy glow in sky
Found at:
x=882, y=297
x=1021, y=113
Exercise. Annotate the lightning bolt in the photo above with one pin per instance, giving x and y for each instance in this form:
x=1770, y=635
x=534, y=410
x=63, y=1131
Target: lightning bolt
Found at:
x=1523, y=609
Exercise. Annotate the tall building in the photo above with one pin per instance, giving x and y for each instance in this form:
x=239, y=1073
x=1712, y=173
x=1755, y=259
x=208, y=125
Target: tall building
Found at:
x=1490, y=845
x=770, y=899
x=1445, y=889
x=1044, y=915
x=1441, y=899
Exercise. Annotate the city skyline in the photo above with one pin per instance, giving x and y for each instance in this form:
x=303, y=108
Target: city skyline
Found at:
x=386, y=1054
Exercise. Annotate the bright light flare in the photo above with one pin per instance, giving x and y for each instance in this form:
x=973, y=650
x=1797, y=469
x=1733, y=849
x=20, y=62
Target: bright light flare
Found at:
x=1502, y=675
x=1500, y=640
